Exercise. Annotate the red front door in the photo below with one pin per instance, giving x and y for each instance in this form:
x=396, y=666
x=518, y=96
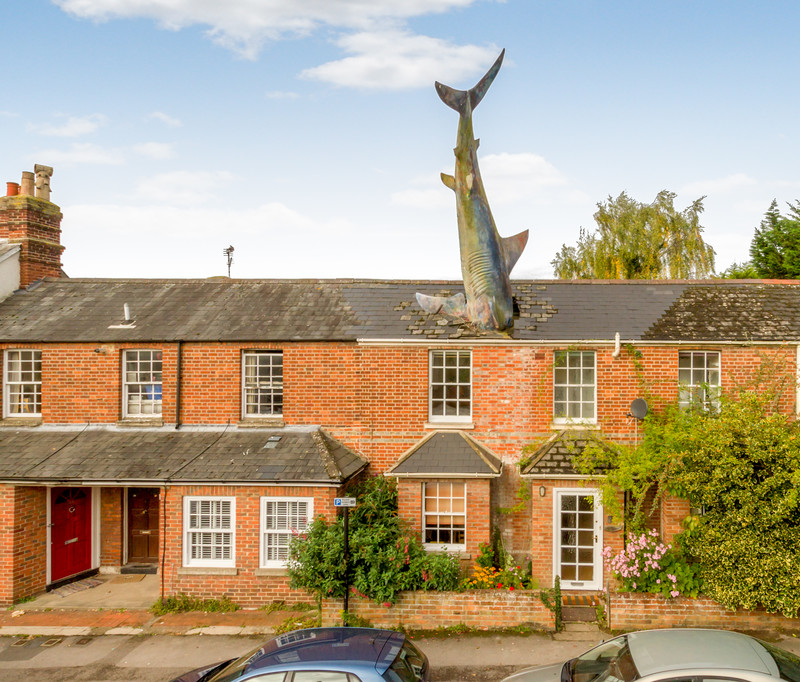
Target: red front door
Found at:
x=70, y=532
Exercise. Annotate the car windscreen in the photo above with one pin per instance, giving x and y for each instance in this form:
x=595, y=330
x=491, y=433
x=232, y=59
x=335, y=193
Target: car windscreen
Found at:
x=408, y=665
x=788, y=664
x=609, y=662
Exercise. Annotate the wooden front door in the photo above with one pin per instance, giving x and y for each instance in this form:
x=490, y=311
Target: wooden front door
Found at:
x=143, y=525
x=70, y=532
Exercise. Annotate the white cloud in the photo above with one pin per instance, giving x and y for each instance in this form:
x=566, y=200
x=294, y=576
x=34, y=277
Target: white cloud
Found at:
x=729, y=183
x=511, y=177
x=74, y=126
x=166, y=119
x=395, y=60
x=176, y=241
x=245, y=25
x=155, y=150
x=83, y=153
x=10, y=114
x=279, y=94
x=184, y=187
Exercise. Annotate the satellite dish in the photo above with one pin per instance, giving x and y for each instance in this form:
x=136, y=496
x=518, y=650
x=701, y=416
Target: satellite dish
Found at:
x=638, y=409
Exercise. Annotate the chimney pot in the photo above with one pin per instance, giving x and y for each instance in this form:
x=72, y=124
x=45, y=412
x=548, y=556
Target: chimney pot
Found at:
x=12, y=189
x=28, y=183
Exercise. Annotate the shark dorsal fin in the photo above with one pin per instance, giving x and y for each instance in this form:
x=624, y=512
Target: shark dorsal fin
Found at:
x=513, y=248
x=449, y=181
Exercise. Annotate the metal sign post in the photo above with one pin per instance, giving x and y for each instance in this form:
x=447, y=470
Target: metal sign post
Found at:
x=346, y=503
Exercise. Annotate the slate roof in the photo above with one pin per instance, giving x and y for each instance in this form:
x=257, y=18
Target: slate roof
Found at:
x=448, y=453
x=91, y=310
x=554, y=458
x=99, y=454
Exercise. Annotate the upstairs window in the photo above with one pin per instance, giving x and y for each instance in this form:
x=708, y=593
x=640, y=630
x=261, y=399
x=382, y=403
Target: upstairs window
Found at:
x=698, y=376
x=574, y=386
x=22, y=388
x=444, y=517
x=262, y=384
x=281, y=520
x=142, y=383
x=208, y=526
x=450, y=386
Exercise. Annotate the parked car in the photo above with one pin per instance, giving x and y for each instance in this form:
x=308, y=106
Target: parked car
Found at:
x=677, y=655
x=324, y=655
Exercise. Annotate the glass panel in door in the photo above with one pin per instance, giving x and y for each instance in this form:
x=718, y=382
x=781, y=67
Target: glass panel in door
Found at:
x=578, y=540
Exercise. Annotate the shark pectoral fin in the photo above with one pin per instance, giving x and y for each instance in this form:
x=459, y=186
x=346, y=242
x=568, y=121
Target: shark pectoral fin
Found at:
x=449, y=181
x=455, y=305
x=513, y=247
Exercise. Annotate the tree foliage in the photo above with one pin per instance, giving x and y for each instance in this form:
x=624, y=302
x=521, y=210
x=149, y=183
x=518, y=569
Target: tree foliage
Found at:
x=634, y=240
x=386, y=555
x=741, y=466
x=775, y=249
x=744, y=270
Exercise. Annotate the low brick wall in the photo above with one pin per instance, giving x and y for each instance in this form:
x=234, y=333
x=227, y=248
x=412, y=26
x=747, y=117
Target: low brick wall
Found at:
x=637, y=611
x=427, y=610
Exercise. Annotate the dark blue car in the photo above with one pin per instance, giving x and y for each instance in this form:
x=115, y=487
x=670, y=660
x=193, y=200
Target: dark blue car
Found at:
x=324, y=655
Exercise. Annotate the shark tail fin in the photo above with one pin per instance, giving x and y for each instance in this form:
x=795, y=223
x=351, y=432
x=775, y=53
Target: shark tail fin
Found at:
x=513, y=248
x=448, y=305
x=457, y=99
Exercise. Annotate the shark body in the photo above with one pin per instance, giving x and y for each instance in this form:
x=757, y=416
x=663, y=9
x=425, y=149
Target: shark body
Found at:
x=486, y=258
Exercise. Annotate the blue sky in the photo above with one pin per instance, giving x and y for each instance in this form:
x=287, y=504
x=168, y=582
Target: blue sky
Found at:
x=308, y=134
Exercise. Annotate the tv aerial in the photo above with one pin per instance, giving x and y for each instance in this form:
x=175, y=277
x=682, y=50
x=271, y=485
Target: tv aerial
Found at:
x=229, y=255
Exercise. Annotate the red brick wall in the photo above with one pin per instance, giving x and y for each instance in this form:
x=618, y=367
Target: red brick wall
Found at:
x=484, y=609
x=478, y=511
x=111, y=526
x=23, y=542
x=636, y=611
x=246, y=588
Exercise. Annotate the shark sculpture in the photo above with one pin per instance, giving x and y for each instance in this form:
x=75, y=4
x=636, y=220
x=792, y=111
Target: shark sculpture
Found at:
x=486, y=257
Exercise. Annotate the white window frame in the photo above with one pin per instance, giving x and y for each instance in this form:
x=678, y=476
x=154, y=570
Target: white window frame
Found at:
x=23, y=355
x=566, y=419
x=703, y=394
x=189, y=530
x=443, y=546
x=269, y=385
x=457, y=385
x=157, y=404
x=281, y=530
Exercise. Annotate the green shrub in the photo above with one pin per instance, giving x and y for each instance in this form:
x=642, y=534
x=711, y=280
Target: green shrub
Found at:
x=183, y=603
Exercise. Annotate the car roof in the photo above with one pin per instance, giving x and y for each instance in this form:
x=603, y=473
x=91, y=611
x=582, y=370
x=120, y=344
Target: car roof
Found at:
x=656, y=651
x=336, y=648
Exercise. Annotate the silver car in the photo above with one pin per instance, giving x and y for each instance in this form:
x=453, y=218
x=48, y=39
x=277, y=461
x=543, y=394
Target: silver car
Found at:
x=678, y=655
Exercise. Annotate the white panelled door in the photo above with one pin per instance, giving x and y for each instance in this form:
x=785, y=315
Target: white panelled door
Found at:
x=578, y=539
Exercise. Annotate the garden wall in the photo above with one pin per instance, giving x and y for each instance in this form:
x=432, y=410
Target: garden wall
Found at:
x=487, y=609
x=637, y=611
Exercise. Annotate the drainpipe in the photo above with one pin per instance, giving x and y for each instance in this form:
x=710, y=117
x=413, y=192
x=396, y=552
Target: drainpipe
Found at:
x=617, y=347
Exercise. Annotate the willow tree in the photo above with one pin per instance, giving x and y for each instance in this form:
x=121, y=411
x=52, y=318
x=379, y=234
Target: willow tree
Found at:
x=634, y=240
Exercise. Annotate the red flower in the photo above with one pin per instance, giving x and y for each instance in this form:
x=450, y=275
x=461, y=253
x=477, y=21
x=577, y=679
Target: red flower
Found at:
x=511, y=588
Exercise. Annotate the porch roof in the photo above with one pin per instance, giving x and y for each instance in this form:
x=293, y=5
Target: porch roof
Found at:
x=306, y=455
x=555, y=457
x=448, y=454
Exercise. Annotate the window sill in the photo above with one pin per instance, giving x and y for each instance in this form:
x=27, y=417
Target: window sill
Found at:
x=450, y=426
x=16, y=422
x=574, y=426
x=141, y=421
x=261, y=422
x=460, y=552
x=207, y=570
x=271, y=572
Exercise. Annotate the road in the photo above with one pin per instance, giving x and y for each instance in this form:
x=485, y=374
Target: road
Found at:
x=147, y=658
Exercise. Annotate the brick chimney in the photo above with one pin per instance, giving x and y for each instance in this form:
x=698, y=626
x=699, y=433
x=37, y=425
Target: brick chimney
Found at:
x=33, y=222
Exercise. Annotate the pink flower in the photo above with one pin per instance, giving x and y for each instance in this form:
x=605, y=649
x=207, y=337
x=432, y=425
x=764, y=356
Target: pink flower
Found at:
x=674, y=593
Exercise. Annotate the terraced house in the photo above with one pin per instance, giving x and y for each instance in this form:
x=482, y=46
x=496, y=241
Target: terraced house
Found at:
x=190, y=427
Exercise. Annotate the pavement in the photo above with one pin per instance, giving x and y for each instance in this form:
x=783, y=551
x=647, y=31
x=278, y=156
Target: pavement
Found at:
x=108, y=605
